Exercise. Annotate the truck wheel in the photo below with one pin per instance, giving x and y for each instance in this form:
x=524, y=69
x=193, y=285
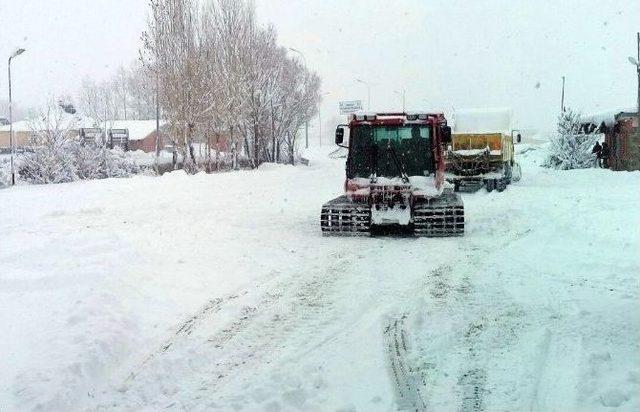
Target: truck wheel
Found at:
x=490, y=184
x=516, y=173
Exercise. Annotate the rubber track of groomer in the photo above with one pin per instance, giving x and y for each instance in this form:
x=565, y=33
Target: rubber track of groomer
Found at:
x=438, y=217
x=342, y=217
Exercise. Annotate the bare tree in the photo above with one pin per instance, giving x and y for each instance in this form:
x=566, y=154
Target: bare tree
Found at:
x=222, y=74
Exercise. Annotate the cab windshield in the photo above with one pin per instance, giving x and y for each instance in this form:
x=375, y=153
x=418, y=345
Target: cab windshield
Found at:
x=373, y=148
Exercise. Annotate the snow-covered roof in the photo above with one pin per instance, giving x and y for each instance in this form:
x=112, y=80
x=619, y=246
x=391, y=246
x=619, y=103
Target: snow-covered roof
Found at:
x=70, y=121
x=608, y=116
x=138, y=129
x=488, y=120
x=20, y=126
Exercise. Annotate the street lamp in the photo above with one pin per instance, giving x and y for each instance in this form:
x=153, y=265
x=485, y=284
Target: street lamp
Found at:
x=320, y=116
x=301, y=55
x=306, y=124
x=16, y=53
x=368, y=92
x=403, y=94
x=636, y=62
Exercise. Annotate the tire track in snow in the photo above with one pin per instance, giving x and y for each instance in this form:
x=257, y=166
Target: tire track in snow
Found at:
x=185, y=328
x=409, y=383
x=472, y=380
x=541, y=363
x=290, y=308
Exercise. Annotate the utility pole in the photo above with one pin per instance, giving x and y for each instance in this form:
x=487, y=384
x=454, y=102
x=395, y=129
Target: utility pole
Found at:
x=273, y=135
x=157, y=123
x=562, y=101
x=638, y=70
x=403, y=95
x=368, y=92
x=306, y=124
x=320, y=123
x=320, y=117
x=636, y=62
x=18, y=52
x=124, y=95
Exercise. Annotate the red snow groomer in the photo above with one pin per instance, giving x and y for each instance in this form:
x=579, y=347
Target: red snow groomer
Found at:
x=395, y=178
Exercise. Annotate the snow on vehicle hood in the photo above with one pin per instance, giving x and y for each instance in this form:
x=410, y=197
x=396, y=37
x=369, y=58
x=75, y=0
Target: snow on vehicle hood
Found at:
x=420, y=185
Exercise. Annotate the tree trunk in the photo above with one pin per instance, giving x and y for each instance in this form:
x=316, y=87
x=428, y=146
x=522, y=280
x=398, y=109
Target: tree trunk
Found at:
x=234, y=149
x=248, y=153
x=256, y=146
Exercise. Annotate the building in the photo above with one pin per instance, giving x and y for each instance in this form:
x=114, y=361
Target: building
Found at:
x=622, y=135
x=23, y=129
x=21, y=135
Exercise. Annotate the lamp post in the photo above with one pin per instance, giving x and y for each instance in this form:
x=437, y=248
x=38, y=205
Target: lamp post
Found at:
x=158, y=122
x=403, y=94
x=16, y=53
x=320, y=117
x=636, y=62
x=368, y=92
x=562, y=98
x=306, y=124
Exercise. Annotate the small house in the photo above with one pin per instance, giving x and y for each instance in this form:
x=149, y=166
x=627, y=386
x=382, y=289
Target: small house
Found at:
x=21, y=135
x=622, y=135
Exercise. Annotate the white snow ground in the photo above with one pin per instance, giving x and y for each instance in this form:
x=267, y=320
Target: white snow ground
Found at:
x=218, y=292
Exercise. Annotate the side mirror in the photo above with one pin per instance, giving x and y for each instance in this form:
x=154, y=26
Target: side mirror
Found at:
x=339, y=135
x=446, y=134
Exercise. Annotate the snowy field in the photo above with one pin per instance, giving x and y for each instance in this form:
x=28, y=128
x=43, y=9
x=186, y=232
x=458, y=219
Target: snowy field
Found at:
x=218, y=292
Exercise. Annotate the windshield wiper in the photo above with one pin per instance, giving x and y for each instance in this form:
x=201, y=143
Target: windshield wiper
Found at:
x=373, y=165
x=397, y=162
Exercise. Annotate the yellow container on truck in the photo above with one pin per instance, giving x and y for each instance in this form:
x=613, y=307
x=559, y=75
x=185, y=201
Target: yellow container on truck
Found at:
x=481, y=152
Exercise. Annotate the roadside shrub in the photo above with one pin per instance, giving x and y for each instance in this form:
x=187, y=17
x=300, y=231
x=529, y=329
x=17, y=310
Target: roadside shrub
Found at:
x=5, y=173
x=571, y=148
x=73, y=161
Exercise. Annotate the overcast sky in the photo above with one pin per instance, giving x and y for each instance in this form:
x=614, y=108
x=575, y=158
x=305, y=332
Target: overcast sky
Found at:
x=445, y=53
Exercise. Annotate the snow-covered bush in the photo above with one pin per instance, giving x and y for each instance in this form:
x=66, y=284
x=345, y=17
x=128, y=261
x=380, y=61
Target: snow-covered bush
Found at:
x=51, y=158
x=5, y=173
x=99, y=162
x=57, y=155
x=571, y=148
x=47, y=164
x=116, y=163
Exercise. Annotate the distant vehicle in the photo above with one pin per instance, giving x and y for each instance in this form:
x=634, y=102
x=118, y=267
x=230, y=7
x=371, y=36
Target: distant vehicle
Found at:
x=118, y=138
x=91, y=136
x=395, y=178
x=481, y=152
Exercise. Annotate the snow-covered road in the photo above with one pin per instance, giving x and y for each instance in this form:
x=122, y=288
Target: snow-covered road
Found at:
x=218, y=291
